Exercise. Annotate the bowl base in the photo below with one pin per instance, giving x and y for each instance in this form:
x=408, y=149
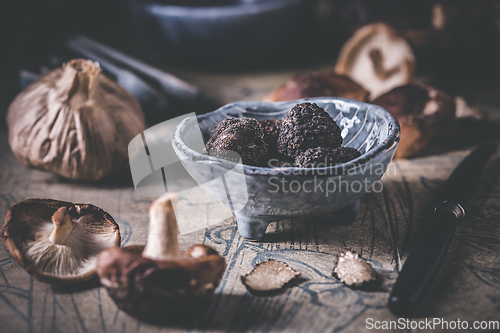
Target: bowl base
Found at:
x=254, y=228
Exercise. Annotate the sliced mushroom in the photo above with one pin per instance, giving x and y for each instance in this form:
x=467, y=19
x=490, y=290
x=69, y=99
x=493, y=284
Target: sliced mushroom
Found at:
x=56, y=241
x=318, y=84
x=378, y=58
x=353, y=270
x=422, y=111
x=157, y=282
x=268, y=276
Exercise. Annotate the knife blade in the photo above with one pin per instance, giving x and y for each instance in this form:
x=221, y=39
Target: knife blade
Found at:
x=425, y=258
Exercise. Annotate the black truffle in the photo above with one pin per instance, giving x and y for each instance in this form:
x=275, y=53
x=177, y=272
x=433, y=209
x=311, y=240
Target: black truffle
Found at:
x=276, y=159
x=307, y=126
x=324, y=157
x=271, y=129
x=284, y=164
x=244, y=136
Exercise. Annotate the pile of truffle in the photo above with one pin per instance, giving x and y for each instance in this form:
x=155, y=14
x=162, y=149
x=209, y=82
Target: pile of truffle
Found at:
x=306, y=137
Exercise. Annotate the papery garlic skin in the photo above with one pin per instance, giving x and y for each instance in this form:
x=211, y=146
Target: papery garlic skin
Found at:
x=75, y=122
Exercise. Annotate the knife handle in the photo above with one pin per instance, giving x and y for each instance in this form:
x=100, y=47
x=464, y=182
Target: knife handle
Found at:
x=424, y=259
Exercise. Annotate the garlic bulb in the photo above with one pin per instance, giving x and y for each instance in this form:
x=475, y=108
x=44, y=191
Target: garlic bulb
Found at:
x=75, y=122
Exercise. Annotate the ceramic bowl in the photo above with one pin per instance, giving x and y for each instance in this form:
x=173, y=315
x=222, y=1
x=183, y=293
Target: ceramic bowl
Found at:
x=219, y=31
x=260, y=195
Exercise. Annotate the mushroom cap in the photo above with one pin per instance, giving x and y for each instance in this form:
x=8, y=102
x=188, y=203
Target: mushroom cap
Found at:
x=26, y=233
x=422, y=111
x=377, y=58
x=318, y=84
x=155, y=290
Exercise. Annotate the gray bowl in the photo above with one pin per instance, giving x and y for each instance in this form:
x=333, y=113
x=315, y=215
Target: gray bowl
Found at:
x=260, y=195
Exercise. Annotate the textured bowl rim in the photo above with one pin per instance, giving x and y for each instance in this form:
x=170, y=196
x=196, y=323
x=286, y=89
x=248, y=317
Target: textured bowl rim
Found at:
x=390, y=143
x=217, y=11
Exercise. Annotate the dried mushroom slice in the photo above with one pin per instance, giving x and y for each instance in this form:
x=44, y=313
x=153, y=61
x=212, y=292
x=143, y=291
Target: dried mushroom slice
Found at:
x=268, y=276
x=353, y=270
x=56, y=241
x=158, y=283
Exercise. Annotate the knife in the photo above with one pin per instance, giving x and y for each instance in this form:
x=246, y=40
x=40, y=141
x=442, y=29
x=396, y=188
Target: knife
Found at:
x=425, y=258
x=162, y=95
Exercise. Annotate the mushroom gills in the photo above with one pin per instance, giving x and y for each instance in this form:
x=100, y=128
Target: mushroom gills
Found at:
x=66, y=248
x=377, y=58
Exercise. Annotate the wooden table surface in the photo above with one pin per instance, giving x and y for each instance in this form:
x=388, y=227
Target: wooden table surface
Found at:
x=467, y=287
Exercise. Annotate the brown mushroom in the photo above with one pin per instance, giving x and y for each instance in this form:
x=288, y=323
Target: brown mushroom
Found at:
x=318, y=84
x=422, y=111
x=56, y=241
x=157, y=282
x=377, y=58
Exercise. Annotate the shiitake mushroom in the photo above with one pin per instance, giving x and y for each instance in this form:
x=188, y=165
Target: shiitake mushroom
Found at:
x=158, y=282
x=378, y=58
x=421, y=110
x=57, y=241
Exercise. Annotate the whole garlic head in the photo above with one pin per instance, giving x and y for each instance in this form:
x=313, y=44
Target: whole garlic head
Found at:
x=75, y=122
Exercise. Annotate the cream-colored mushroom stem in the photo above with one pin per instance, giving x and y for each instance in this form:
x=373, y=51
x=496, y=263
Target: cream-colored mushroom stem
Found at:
x=162, y=241
x=63, y=225
x=80, y=76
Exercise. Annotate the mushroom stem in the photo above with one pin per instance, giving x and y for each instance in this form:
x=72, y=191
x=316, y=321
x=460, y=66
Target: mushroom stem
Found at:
x=62, y=226
x=162, y=238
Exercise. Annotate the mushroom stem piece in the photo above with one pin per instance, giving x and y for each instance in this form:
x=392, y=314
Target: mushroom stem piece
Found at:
x=162, y=237
x=62, y=226
x=157, y=283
